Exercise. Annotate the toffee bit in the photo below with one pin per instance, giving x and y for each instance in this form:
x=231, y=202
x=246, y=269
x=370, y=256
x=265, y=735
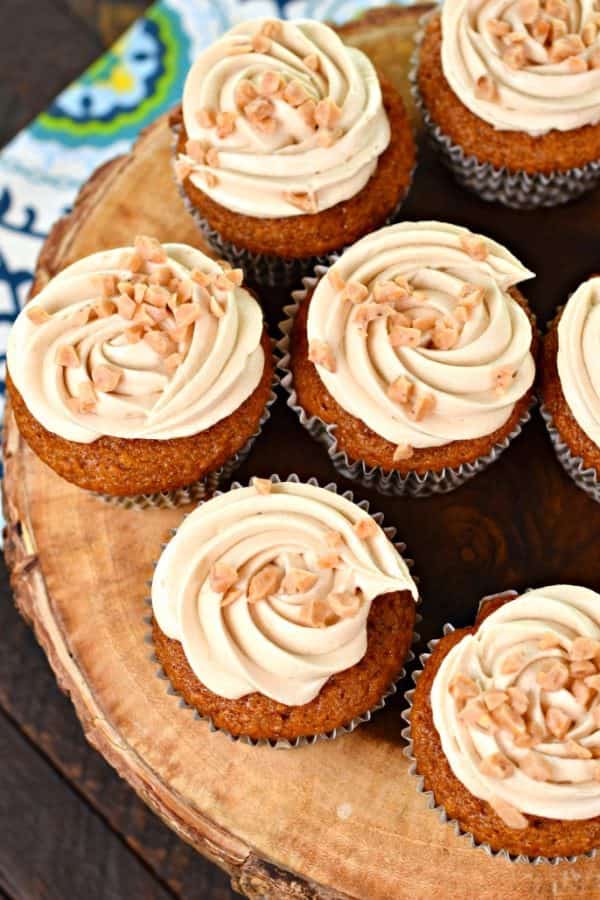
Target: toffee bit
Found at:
x=474, y=246
x=321, y=354
x=67, y=356
x=106, y=378
x=222, y=576
x=150, y=249
x=402, y=452
x=37, y=314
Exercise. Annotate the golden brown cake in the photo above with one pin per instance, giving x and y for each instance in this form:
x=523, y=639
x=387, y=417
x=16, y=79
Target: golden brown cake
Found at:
x=373, y=346
x=551, y=151
x=301, y=150
x=135, y=371
x=323, y=232
x=569, y=395
x=282, y=611
x=516, y=696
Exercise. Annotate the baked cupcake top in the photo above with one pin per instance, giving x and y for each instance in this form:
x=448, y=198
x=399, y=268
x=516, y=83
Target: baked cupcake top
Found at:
x=526, y=66
x=268, y=588
x=517, y=706
x=146, y=342
x=414, y=331
x=282, y=119
x=578, y=358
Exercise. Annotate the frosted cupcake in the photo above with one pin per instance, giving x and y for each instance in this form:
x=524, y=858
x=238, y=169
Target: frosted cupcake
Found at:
x=511, y=96
x=140, y=370
x=411, y=358
x=505, y=724
x=289, y=146
x=571, y=386
x=282, y=612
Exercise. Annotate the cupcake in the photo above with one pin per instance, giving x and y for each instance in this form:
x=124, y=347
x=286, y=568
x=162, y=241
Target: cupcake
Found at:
x=571, y=386
x=282, y=612
x=140, y=369
x=505, y=724
x=511, y=97
x=411, y=358
x=289, y=146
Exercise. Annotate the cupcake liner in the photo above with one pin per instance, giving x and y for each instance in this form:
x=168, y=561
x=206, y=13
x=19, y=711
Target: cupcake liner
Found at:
x=389, y=482
x=199, y=490
x=264, y=269
x=516, y=189
x=420, y=781
x=303, y=741
x=586, y=479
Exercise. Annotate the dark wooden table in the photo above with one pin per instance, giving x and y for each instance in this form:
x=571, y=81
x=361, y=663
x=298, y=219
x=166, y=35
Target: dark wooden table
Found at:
x=69, y=826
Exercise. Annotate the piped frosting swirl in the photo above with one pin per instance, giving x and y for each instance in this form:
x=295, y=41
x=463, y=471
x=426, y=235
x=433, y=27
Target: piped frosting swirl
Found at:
x=414, y=332
x=524, y=65
x=146, y=342
x=517, y=706
x=579, y=356
x=268, y=588
x=282, y=119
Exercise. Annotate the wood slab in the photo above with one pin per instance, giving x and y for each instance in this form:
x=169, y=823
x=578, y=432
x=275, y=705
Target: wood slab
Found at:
x=339, y=819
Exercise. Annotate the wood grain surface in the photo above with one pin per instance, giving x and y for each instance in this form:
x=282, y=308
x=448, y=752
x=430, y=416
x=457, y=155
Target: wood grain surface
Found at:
x=342, y=818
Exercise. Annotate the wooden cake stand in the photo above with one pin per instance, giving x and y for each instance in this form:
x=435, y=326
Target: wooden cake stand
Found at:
x=342, y=818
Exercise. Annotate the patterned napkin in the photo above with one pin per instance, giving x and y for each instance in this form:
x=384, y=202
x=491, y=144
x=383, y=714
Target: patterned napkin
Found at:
x=99, y=116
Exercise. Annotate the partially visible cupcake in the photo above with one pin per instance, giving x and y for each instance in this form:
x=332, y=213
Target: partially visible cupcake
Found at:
x=505, y=724
x=571, y=386
x=289, y=146
x=282, y=612
x=141, y=370
x=411, y=358
x=511, y=97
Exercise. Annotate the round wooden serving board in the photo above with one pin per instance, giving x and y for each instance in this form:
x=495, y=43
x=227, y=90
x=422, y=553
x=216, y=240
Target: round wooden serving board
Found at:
x=340, y=818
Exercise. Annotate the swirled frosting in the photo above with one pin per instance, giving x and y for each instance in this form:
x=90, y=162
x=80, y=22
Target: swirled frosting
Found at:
x=157, y=342
x=526, y=66
x=413, y=331
x=517, y=706
x=579, y=356
x=268, y=588
x=282, y=119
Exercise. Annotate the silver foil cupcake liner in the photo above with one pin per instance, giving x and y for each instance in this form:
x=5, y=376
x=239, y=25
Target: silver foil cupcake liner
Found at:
x=516, y=189
x=264, y=269
x=585, y=478
x=389, y=482
x=420, y=781
x=304, y=741
x=199, y=490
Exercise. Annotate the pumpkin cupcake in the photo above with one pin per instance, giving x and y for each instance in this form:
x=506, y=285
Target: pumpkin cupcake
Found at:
x=288, y=146
x=571, y=386
x=282, y=612
x=504, y=728
x=141, y=370
x=511, y=97
x=411, y=358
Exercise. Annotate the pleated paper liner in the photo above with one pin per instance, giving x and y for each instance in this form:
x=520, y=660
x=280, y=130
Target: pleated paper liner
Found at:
x=431, y=801
x=199, y=490
x=389, y=482
x=302, y=741
x=585, y=478
x=264, y=269
x=516, y=189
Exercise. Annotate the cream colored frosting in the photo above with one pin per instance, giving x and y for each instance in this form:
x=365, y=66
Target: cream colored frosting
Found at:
x=257, y=171
x=275, y=646
x=545, y=91
x=220, y=358
x=579, y=356
x=557, y=615
x=472, y=386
